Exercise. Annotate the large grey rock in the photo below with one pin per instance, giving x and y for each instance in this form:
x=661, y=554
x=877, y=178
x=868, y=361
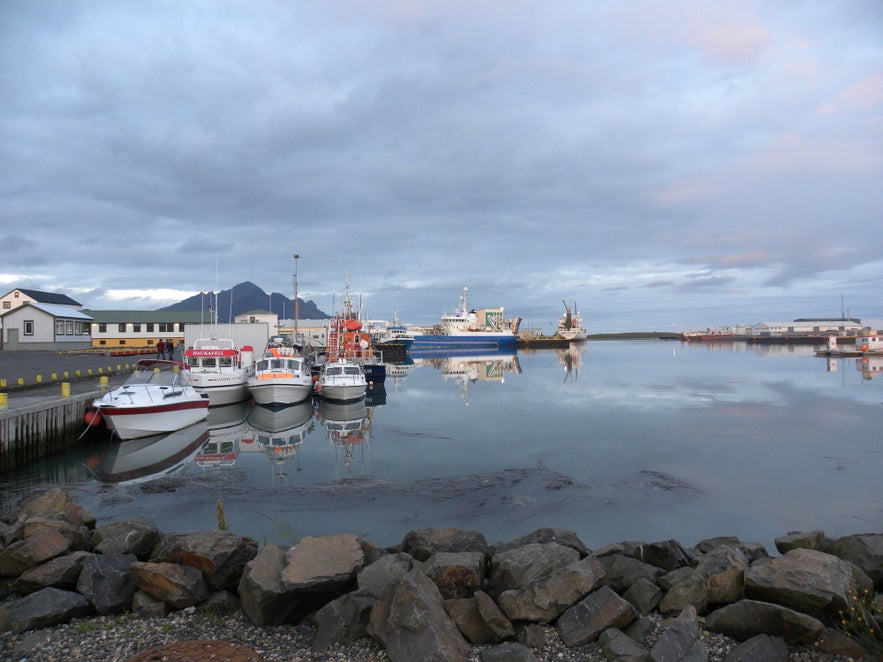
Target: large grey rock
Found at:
x=61, y=572
x=623, y=571
x=106, y=582
x=177, y=585
x=808, y=581
x=457, y=574
x=412, y=624
x=801, y=540
x=323, y=564
x=666, y=554
x=385, y=571
x=220, y=555
x=44, y=608
x=265, y=599
x=342, y=620
x=760, y=648
x=510, y=651
x=564, y=537
x=643, y=595
x=519, y=567
x=865, y=550
x=546, y=598
x=684, y=587
x=724, y=570
x=56, y=504
x=136, y=536
x=480, y=619
x=617, y=645
x=586, y=620
x=22, y=555
x=748, y=618
x=78, y=535
x=680, y=642
x=147, y=606
x=423, y=543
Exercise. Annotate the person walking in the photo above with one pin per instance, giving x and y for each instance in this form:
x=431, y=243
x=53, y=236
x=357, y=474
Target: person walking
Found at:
x=160, y=350
x=170, y=347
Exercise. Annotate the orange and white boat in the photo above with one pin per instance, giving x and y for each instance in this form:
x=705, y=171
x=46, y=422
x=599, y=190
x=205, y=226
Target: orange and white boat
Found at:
x=281, y=376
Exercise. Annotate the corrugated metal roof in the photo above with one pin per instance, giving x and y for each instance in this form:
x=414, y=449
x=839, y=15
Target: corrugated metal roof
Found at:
x=49, y=297
x=59, y=311
x=147, y=316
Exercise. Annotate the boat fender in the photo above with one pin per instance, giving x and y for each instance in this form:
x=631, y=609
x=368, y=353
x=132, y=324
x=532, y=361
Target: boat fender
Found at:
x=92, y=417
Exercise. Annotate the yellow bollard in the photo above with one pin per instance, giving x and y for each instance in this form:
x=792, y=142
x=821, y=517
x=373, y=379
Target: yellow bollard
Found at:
x=100, y=371
x=4, y=401
x=39, y=379
x=76, y=373
x=66, y=374
x=2, y=382
x=89, y=372
x=21, y=381
x=54, y=376
x=65, y=390
x=102, y=383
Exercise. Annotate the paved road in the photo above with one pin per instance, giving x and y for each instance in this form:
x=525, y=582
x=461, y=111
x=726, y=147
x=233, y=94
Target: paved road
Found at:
x=52, y=366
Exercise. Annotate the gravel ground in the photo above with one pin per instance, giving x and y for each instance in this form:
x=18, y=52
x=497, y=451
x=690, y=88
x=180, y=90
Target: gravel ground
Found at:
x=120, y=637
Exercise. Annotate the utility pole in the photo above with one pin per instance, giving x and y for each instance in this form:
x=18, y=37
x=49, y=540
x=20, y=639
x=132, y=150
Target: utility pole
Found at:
x=296, y=306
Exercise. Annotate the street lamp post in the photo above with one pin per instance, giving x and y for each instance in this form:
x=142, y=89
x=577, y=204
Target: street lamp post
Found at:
x=296, y=306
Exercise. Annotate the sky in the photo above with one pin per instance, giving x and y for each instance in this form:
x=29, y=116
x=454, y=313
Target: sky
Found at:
x=662, y=165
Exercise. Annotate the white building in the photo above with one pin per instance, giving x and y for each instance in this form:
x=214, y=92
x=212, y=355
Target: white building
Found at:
x=36, y=320
x=821, y=326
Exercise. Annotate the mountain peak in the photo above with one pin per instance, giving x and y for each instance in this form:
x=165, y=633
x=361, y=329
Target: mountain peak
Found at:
x=246, y=297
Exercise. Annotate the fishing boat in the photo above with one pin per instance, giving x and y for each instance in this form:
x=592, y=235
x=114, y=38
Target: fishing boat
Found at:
x=341, y=380
x=570, y=325
x=157, y=398
x=477, y=329
x=281, y=376
x=219, y=369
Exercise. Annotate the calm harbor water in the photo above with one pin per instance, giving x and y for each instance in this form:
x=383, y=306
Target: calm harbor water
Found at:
x=615, y=440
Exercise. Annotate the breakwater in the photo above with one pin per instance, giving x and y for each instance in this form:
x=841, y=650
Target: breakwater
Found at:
x=442, y=594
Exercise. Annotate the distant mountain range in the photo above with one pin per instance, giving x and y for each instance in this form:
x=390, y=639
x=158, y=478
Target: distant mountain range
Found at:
x=245, y=298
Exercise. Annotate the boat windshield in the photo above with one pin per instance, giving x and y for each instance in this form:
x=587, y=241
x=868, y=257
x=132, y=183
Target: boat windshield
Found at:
x=155, y=377
x=351, y=370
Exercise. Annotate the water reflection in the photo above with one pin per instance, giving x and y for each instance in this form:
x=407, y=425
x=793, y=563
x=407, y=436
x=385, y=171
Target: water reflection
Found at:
x=348, y=427
x=148, y=458
x=465, y=369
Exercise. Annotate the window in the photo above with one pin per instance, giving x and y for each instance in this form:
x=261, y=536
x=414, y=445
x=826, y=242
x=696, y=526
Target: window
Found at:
x=69, y=328
x=121, y=328
x=59, y=327
x=28, y=327
x=7, y=305
x=102, y=342
x=17, y=295
x=150, y=327
x=122, y=341
x=136, y=328
x=102, y=328
x=181, y=327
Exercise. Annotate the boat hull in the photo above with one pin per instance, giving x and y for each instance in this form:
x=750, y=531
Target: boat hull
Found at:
x=223, y=393
x=268, y=392
x=476, y=340
x=136, y=422
x=342, y=392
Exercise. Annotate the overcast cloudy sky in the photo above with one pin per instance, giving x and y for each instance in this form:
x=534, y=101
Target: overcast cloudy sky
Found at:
x=666, y=165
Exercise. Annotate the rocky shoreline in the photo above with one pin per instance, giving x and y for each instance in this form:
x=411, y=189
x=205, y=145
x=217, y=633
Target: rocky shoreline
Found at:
x=74, y=590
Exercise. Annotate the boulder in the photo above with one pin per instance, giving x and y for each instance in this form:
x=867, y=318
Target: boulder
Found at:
x=519, y=567
x=423, y=543
x=56, y=504
x=865, y=550
x=23, y=555
x=412, y=624
x=643, y=595
x=801, y=540
x=61, y=572
x=684, y=587
x=748, y=618
x=680, y=642
x=387, y=570
x=587, y=619
x=147, y=606
x=221, y=603
x=808, y=581
x=177, y=585
x=760, y=648
x=546, y=598
x=837, y=642
x=457, y=574
x=44, y=608
x=136, y=536
x=106, y=582
x=564, y=537
x=219, y=555
x=623, y=571
x=78, y=535
x=265, y=599
x=480, y=619
x=617, y=645
x=666, y=554
x=724, y=570
x=510, y=651
x=342, y=620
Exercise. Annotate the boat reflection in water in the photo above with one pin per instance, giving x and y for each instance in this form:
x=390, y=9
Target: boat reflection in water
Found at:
x=147, y=458
x=466, y=369
x=570, y=358
x=279, y=431
x=348, y=426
